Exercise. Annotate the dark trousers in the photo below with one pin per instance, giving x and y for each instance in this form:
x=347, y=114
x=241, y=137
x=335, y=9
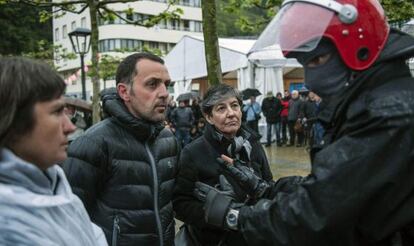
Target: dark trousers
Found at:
x=293, y=134
x=183, y=136
x=254, y=125
x=276, y=127
x=284, y=127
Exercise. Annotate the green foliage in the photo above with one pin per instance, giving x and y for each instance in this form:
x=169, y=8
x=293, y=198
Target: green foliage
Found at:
x=20, y=29
x=398, y=11
x=244, y=17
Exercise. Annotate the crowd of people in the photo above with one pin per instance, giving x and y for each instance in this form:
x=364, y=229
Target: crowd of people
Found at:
x=125, y=180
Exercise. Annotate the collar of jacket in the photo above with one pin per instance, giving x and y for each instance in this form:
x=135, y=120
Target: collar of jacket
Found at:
x=333, y=111
x=143, y=130
x=220, y=142
x=17, y=172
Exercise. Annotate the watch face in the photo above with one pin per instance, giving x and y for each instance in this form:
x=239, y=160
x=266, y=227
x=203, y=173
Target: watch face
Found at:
x=232, y=218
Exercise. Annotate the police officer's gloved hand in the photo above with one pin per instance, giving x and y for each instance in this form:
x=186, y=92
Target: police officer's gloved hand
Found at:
x=219, y=207
x=253, y=185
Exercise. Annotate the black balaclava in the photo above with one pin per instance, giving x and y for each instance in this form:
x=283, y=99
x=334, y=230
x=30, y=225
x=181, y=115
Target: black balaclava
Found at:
x=326, y=80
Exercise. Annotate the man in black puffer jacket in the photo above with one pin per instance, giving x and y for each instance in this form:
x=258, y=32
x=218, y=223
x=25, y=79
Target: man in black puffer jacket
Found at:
x=124, y=167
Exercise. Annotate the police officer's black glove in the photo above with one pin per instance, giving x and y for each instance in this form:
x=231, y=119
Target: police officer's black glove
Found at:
x=253, y=185
x=219, y=206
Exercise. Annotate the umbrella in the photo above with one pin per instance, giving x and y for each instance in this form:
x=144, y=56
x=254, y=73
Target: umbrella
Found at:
x=250, y=92
x=187, y=96
x=80, y=104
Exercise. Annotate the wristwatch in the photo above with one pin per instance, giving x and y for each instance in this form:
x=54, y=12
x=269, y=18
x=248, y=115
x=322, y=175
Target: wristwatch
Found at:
x=232, y=219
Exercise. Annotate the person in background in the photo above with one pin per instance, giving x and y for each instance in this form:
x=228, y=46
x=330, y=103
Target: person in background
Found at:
x=77, y=119
x=224, y=134
x=284, y=116
x=316, y=129
x=171, y=106
x=198, y=130
x=182, y=120
x=123, y=168
x=252, y=111
x=195, y=107
x=37, y=206
x=271, y=107
x=295, y=115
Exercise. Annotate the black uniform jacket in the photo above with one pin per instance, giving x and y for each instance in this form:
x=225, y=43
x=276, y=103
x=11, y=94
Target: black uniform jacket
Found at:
x=361, y=187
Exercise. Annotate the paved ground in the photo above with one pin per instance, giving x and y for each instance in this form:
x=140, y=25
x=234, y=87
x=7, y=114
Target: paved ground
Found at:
x=287, y=161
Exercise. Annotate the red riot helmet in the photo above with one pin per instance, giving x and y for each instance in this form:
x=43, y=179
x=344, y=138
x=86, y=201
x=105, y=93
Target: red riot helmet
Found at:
x=358, y=29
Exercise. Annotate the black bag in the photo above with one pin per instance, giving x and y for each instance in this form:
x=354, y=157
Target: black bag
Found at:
x=185, y=237
x=257, y=116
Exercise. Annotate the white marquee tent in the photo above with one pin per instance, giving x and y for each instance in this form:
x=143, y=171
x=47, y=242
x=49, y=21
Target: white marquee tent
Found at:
x=186, y=61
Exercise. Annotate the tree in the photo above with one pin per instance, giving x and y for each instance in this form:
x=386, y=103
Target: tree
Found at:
x=108, y=65
x=21, y=30
x=211, y=46
x=250, y=17
x=398, y=11
x=97, y=8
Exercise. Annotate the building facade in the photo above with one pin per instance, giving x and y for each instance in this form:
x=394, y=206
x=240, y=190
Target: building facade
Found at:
x=117, y=38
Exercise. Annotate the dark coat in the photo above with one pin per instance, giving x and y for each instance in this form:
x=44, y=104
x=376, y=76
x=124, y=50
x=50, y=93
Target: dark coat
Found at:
x=271, y=107
x=198, y=163
x=361, y=187
x=122, y=168
x=295, y=109
x=182, y=117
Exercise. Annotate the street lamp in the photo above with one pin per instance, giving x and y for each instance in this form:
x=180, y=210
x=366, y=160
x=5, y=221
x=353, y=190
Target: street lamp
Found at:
x=81, y=41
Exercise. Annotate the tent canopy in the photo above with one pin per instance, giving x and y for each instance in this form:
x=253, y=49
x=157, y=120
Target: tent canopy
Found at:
x=187, y=59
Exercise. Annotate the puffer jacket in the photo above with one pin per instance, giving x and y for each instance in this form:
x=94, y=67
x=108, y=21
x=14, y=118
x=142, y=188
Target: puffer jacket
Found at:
x=361, y=189
x=123, y=169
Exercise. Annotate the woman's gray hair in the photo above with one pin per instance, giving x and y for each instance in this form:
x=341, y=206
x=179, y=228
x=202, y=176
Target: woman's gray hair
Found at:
x=217, y=94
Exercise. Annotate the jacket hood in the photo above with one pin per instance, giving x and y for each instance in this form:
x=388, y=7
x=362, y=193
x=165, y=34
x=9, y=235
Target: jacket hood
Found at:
x=140, y=128
x=24, y=183
x=400, y=45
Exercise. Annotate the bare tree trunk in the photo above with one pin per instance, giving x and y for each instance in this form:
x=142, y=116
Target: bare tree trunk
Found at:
x=211, y=46
x=95, y=62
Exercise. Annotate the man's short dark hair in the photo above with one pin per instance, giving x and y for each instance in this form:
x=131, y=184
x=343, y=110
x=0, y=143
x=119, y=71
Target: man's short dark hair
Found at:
x=216, y=94
x=127, y=68
x=23, y=83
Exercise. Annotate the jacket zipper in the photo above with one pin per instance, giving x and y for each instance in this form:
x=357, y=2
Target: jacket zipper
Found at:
x=115, y=231
x=155, y=184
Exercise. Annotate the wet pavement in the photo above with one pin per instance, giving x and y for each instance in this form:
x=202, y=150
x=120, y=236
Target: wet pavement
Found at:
x=288, y=161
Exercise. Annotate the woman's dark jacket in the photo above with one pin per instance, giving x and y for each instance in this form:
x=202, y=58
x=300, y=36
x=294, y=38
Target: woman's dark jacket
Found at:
x=198, y=163
x=361, y=187
x=123, y=170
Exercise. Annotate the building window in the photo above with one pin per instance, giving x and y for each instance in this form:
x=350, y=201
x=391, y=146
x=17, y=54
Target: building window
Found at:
x=56, y=34
x=108, y=45
x=64, y=54
x=64, y=32
x=198, y=27
x=73, y=25
x=186, y=24
x=83, y=22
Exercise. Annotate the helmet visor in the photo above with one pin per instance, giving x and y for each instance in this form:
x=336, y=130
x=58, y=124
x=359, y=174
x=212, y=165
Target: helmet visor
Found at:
x=298, y=26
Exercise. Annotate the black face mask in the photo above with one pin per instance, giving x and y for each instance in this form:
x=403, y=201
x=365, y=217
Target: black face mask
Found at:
x=329, y=79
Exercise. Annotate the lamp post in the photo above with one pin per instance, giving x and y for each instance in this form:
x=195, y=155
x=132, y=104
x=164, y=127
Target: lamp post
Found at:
x=81, y=41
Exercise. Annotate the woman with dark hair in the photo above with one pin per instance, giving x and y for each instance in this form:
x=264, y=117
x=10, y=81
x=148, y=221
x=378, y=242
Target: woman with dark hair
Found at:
x=37, y=205
x=223, y=134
